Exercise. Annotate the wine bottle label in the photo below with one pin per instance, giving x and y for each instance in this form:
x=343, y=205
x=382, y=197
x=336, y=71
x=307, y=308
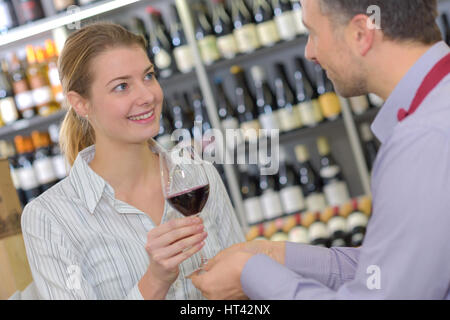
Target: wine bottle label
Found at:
x=289, y=119
x=247, y=38
x=162, y=59
x=53, y=76
x=60, y=165
x=357, y=238
x=318, y=230
x=6, y=20
x=15, y=179
x=292, y=199
x=315, y=202
x=42, y=95
x=268, y=33
x=286, y=25
x=376, y=100
x=269, y=121
x=228, y=47
x=184, y=59
x=250, y=129
x=24, y=100
x=298, y=17
x=279, y=236
x=307, y=115
x=44, y=170
x=8, y=110
x=337, y=224
x=27, y=178
x=357, y=219
x=253, y=210
x=230, y=123
x=336, y=193
x=208, y=49
x=329, y=172
x=317, y=110
x=271, y=204
x=299, y=234
x=330, y=105
x=359, y=104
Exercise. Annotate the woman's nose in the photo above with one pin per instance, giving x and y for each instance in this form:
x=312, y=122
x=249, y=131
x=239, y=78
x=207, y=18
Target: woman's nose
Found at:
x=146, y=94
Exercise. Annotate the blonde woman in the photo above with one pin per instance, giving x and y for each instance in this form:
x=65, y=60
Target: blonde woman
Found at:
x=106, y=231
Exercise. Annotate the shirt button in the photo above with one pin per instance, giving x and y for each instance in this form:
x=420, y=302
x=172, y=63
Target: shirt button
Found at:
x=177, y=284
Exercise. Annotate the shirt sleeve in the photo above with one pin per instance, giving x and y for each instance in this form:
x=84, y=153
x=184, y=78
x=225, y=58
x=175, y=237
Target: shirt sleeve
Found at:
x=57, y=270
x=405, y=254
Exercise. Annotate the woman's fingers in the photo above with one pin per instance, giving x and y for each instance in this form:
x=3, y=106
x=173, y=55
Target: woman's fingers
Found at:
x=183, y=245
x=176, y=235
x=172, y=225
x=179, y=258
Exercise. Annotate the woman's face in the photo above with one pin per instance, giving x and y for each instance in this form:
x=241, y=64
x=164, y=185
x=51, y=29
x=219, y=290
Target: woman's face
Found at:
x=125, y=98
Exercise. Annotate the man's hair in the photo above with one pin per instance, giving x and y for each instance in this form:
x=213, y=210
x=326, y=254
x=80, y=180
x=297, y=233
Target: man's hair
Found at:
x=401, y=20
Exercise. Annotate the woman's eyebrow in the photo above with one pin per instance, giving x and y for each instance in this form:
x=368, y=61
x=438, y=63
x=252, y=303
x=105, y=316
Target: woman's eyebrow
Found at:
x=149, y=68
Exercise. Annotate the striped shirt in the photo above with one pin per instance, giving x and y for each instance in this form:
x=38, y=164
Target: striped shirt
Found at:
x=83, y=243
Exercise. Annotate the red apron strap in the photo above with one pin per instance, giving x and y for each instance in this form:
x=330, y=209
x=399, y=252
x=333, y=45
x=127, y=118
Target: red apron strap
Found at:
x=439, y=72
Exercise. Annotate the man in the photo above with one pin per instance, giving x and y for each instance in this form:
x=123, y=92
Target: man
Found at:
x=406, y=251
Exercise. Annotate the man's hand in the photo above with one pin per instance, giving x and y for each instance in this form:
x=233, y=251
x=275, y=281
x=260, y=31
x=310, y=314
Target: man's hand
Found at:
x=221, y=277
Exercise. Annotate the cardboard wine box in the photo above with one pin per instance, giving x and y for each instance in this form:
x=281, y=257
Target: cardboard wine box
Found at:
x=15, y=272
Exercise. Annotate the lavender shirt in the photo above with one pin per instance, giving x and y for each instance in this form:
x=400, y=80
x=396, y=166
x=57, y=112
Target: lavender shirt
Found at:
x=406, y=251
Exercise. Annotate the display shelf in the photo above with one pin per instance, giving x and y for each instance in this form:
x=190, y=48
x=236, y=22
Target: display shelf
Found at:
x=26, y=126
x=62, y=19
x=301, y=133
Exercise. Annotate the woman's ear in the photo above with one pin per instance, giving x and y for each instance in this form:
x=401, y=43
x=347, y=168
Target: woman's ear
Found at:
x=78, y=103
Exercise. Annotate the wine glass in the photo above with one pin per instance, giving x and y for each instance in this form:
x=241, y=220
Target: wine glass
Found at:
x=185, y=184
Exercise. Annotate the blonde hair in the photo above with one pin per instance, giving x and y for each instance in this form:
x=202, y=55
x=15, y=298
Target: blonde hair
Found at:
x=75, y=72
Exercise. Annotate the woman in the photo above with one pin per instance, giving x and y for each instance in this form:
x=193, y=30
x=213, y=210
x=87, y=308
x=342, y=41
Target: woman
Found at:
x=106, y=231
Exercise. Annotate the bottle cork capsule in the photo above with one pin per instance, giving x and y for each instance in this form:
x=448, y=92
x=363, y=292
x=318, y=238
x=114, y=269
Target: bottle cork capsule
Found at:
x=327, y=214
x=365, y=205
x=252, y=233
x=323, y=146
x=301, y=152
x=346, y=209
x=289, y=223
x=308, y=218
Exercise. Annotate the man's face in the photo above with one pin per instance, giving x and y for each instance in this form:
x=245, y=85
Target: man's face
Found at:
x=328, y=45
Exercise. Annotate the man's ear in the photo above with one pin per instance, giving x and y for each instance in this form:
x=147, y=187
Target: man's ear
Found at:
x=361, y=34
x=78, y=103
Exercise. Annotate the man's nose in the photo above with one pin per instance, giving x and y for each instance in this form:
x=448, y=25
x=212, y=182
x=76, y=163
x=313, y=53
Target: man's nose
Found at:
x=309, y=51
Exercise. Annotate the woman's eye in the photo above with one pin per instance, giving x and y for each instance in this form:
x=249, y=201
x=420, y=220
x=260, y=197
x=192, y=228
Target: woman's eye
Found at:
x=121, y=87
x=149, y=76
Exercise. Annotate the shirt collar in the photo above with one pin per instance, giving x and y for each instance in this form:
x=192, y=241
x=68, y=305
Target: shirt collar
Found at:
x=88, y=184
x=404, y=92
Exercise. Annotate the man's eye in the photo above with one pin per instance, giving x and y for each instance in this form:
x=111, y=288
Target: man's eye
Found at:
x=121, y=87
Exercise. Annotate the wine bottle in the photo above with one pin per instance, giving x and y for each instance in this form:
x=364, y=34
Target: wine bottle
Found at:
x=310, y=181
x=265, y=25
x=53, y=73
x=205, y=36
x=370, y=145
x=446, y=26
x=329, y=101
x=245, y=106
x=8, y=108
x=280, y=234
x=137, y=26
x=309, y=113
x=299, y=233
x=22, y=91
x=60, y=163
x=62, y=5
x=39, y=82
x=289, y=116
x=298, y=17
x=160, y=44
x=318, y=233
x=359, y=104
x=337, y=229
x=227, y=115
x=28, y=10
x=7, y=151
x=270, y=198
x=244, y=27
x=184, y=58
x=335, y=187
x=223, y=28
x=291, y=194
x=375, y=100
x=25, y=170
x=265, y=100
x=165, y=130
x=250, y=195
x=357, y=224
x=285, y=19
x=42, y=164
x=8, y=19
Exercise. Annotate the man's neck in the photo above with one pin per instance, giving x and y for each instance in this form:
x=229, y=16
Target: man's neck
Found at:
x=392, y=63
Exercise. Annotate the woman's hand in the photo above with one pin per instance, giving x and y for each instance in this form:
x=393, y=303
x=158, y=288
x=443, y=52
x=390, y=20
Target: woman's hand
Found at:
x=170, y=244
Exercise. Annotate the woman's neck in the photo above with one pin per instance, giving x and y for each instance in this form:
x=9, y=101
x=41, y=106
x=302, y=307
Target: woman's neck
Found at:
x=126, y=167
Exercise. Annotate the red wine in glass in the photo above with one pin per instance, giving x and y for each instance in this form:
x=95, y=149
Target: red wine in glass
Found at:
x=191, y=201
